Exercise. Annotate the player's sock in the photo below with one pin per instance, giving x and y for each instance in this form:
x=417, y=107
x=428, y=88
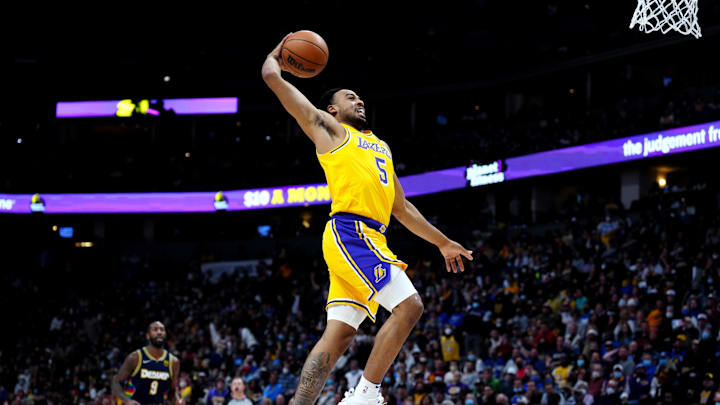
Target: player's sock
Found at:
x=367, y=389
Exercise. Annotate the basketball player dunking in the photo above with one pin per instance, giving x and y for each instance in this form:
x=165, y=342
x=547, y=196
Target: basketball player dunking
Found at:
x=150, y=374
x=364, y=273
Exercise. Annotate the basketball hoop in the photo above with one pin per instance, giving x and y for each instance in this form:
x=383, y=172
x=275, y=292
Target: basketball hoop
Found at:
x=667, y=15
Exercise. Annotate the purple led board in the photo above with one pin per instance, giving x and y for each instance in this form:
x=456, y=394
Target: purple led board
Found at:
x=654, y=144
x=650, y=145
x=672, y=141
x=197, y=106
x=73, y=109
x=108, y=203
x=112, y=108
x=236, y=200
x=433, y=182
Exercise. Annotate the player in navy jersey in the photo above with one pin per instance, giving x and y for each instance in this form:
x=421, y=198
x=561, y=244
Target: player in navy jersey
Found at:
x=149, y=374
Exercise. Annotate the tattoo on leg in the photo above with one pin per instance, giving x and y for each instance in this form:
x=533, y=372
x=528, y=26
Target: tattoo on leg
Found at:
x=312, y=379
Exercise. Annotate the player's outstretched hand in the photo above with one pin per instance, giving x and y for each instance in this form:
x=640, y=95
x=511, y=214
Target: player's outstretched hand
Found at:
x=276, y=53
x=452, y=251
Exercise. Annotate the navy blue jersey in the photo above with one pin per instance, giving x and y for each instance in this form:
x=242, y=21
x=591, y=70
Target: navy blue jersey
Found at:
x=152, y=378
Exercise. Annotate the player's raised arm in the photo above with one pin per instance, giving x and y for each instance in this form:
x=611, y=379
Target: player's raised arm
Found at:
x=412, y=219
x=318, y=125
x=123, y=374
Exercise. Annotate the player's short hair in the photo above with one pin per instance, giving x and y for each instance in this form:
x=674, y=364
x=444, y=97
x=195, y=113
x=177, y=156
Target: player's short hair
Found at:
x=151, y=324
x=328, y=98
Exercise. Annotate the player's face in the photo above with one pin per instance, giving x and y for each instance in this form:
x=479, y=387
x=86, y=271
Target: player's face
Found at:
x=351, y=108
x=156, y=334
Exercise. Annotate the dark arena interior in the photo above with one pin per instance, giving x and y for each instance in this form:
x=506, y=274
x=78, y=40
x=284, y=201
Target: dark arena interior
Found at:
x=148, y=174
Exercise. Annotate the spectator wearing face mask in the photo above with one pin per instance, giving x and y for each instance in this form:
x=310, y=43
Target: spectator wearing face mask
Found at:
x=185, y=387
x=328, y=397
x=611, y=394
x=580, y=363
x=620, y=356
x=517, y=390
x=618, y=375
x=506, y=386
x=648, y=364
x=597, y=380
x=704, y=327
x=716, y=398
x=450, y=347
x=288, y=381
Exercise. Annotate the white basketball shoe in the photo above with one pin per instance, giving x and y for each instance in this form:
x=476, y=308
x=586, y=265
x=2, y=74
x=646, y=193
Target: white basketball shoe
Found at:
x=352, y=399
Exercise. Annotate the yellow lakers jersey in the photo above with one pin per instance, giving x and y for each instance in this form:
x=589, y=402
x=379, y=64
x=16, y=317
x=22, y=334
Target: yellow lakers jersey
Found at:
x=360, y=176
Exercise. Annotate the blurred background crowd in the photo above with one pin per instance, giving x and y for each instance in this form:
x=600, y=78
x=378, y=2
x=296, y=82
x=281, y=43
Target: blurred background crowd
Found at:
x=616, y=308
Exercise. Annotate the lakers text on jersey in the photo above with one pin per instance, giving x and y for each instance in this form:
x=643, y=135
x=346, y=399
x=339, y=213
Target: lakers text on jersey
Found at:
x=360, y=176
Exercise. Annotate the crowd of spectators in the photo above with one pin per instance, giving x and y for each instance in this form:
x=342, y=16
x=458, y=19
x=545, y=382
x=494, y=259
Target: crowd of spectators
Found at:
x=618, y=308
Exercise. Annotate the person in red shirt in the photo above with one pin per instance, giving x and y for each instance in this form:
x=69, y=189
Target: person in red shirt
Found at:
x=545, y=337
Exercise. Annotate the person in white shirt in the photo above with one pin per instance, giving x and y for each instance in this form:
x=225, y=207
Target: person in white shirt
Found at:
x=237, y=395
x=353, y=376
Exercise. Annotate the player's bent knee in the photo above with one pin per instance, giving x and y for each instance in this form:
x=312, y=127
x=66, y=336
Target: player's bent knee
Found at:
x=412, y=308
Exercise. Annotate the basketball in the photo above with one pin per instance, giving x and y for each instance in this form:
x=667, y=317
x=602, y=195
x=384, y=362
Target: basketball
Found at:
x=304, y=54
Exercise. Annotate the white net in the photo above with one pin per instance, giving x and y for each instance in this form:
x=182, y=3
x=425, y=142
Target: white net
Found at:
x=667, y=15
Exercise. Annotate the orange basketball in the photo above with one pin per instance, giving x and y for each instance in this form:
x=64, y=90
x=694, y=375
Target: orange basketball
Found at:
x=304, y=54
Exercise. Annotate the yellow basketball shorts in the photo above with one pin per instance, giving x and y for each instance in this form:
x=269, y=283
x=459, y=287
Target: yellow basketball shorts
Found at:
x=358, y=259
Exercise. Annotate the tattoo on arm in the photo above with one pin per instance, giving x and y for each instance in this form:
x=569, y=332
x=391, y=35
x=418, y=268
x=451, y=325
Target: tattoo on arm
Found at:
x=312, y=379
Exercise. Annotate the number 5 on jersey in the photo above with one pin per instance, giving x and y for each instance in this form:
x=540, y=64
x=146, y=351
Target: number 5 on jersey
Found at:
x=383, y=174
